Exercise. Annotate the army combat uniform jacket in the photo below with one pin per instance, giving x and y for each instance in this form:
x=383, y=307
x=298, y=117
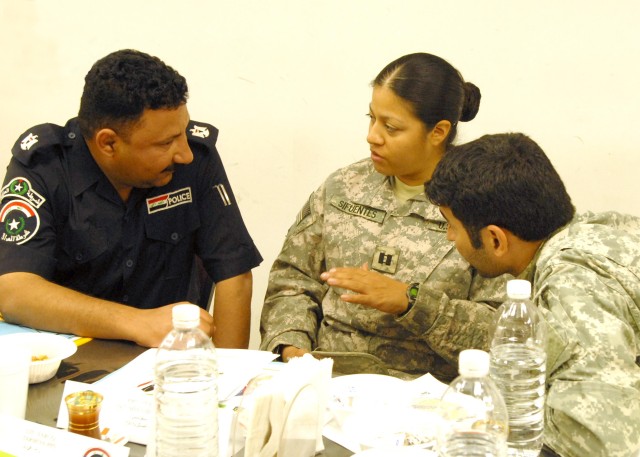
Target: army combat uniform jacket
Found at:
x=586, y=281
x=353, y=219
x=63, y=220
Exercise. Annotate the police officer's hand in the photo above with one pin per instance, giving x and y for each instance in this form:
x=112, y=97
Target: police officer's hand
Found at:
x=369, y=288
x=156, y=323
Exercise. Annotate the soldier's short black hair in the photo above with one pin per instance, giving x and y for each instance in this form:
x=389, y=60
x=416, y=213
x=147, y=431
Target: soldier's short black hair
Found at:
x=119, y=87
x=504, y=180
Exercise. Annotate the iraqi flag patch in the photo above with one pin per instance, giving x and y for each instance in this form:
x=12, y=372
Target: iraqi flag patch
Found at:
x=20, y=222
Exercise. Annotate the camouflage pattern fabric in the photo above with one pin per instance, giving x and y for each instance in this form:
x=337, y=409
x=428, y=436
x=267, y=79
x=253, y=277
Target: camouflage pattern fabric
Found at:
x=352, y=219
x=587, y=284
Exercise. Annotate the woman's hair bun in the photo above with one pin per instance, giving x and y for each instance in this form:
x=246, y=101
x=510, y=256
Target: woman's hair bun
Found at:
x=471, y=103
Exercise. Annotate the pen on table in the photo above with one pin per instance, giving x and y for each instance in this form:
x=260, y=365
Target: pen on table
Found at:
x=82, y=340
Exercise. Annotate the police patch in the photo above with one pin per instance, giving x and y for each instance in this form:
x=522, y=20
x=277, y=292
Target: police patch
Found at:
x=199, y=131
x=21, y=188
x=20, y=222
x=28, y=141
x=167, y=201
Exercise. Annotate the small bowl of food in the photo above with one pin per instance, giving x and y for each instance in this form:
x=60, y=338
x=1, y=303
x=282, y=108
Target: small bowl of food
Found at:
x=47, y=351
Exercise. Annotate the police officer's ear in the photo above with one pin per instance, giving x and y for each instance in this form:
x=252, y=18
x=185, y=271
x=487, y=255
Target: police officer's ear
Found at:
x=105, y=140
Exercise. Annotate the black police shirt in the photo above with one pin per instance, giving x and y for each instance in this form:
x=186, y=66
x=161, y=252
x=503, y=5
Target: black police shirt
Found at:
x=63, y=220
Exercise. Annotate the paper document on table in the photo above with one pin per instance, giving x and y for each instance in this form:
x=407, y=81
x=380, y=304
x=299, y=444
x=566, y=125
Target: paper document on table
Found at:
x=235, y=367
x=129, y=390
x=9, y=329
x=23, y=438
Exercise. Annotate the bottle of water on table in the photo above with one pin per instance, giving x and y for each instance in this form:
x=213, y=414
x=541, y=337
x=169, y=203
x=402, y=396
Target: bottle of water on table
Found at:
x=518, y=367
x=186, y=390
x=475, y=416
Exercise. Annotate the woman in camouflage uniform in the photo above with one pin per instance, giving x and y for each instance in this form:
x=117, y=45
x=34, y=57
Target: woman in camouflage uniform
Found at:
x=366, y=273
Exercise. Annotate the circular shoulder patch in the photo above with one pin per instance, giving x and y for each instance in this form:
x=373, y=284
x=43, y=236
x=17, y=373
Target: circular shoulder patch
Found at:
x=20, y=222
x=20, y=187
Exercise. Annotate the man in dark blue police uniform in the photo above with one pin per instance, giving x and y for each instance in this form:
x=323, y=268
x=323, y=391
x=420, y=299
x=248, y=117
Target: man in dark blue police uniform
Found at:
x=105, y=220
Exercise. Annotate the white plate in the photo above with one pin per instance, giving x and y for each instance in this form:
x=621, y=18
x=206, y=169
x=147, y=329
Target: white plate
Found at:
x=365, y=380
x=359, y=393
x=366, y=386
x=54, y=347
x=395, y=452
x=376, y=411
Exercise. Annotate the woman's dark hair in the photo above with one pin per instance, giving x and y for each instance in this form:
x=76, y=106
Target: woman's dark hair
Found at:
x=433, y=87
x=120, y=86
x=504, y=180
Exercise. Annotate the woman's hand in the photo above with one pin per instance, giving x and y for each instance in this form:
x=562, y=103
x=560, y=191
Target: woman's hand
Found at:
x=289, y=352
x=369, y=288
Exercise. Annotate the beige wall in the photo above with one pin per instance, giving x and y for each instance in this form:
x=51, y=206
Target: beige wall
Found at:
x=287, y=83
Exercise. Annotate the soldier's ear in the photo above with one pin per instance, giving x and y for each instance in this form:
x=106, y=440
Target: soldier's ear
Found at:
x=439, y=133
x=105, y=140
x=496, y=240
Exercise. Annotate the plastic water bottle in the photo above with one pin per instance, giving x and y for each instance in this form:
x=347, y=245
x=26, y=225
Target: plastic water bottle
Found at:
x=475, y=416
x=518, y=367
x=186, y=390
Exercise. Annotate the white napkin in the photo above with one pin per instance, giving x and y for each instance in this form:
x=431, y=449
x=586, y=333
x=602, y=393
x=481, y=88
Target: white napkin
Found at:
x=286, y=414
x=258, y=427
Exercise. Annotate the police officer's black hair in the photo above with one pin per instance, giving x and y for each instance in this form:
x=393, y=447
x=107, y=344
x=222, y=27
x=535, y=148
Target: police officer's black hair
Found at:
x=434, y=88
x=504, y=180
x=120, y=86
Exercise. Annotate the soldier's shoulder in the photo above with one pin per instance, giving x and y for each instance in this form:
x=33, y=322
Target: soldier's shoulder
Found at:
x=361, y=166
x=37, y=140
x=359, y=169
x=360, y=176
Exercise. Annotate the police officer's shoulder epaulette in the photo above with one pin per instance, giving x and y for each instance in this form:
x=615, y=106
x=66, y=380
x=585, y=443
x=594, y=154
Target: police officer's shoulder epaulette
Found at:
x=37, y=138
x=201, y=133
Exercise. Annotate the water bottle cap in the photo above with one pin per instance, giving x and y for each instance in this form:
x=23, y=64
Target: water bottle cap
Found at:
x=519, y=288
x=473, y=363
x=185, y=315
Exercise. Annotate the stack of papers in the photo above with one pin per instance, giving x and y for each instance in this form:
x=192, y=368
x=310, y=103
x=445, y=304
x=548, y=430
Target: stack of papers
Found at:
x=127, y=408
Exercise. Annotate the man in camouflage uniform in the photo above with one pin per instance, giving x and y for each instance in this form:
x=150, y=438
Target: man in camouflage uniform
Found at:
x=509, y=212
x=355, y=219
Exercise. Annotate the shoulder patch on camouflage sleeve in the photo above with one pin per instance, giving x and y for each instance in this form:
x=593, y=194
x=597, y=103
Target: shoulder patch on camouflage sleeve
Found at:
x=36, y=139
x=201, y=133
x=304, y=212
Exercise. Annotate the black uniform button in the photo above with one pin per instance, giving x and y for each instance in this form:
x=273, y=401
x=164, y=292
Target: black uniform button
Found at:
x=72, y=136
x=78, y=257
x=129, y=263
x=175, y=236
